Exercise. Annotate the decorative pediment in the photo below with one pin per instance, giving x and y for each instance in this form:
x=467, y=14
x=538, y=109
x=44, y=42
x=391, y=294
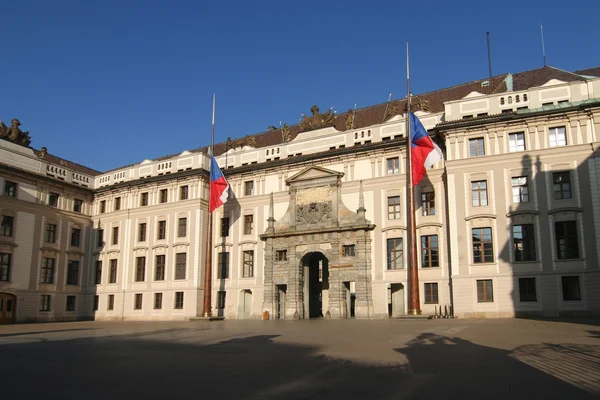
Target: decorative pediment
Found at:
x=314, y=173
x=473, y=94
x=554, y=82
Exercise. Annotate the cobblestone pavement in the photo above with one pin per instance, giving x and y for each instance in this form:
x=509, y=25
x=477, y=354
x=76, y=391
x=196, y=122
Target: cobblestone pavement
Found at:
x=316, y=359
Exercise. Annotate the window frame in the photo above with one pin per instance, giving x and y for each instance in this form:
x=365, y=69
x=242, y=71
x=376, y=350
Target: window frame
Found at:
x=527, y=241
x=484, y=245
x=140, y=269
x=430, y=255
x=431, y=296
x=180, y=266
x=570, y=234
x=484, y=296
x=393, y=208
x=160, y=267
x=248, y=264
x=519, y=190
x=479, y=190
x=513, y=142
x=479, y=146
x=393, y=165
x=73, y=267
x=554, y=140
x=5, y=265
x=558, y=179
x=395, y=253
x=428, y=203
x=526, y=296
x=7, y=225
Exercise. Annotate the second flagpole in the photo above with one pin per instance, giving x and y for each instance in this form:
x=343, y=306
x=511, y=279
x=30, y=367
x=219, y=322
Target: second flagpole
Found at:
x=207, y=311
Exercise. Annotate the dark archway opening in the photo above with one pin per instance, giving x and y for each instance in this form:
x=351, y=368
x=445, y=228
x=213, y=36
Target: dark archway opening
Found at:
x=316, y=280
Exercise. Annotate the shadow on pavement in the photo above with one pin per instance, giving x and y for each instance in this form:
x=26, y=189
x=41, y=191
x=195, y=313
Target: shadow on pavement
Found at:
x=44, y=332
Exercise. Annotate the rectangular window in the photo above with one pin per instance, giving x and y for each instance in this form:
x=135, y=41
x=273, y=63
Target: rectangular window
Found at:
x=10, y=189
x=431, y=293
x=348, y=250
x=223, y=265
x=395, y=254
x=281, y=255
x=5, y=267
x=144, y=199
x=516, y=141
x=142, y=232
x=527, y=290
x=111, y=302
x=248, y=268
x=394, y=207
x=485, y=291
x=50, y=233
x=140, y=269
x=557, y=136
x=178, y=300
x=520, y=189
x=113, y=271
x=428, y=203
x=249, y=188
x=164, y=194
x=476, y=147
x=6, y=226
x=483, y=249
x=224, y=227
x=248, y=224
x=571, y=290
x=115, y=235
x=180, y=265
x=138, y=302
x=183, y=192
x=158, y=301
x=182, y=229
x=77, y=205
x=524, y=242
x=102, y=206
x=561, y=185
x=221, y=299
x=46, y=302
x=73, y=272
x=98, y=274
x=70, y=303
x=479, y=193
x=429, y=251
x=47, y=272
x=117, y=204
x=96, y=302
x=162, y=230
x=53, y=199
x=159, y=269
x=75, y=237
x=100, y=238
x=393, y=165
x=567, y=243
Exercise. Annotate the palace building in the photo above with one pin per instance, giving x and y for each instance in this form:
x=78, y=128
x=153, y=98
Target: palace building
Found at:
x=508, y=223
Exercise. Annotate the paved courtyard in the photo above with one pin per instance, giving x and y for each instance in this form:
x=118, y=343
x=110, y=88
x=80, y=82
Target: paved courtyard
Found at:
x=316, y=359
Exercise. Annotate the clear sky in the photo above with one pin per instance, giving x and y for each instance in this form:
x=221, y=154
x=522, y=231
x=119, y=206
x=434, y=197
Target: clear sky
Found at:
x=110, y=83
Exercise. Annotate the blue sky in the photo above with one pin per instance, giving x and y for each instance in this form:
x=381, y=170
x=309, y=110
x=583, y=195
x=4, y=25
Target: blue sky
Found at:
x=110, y=83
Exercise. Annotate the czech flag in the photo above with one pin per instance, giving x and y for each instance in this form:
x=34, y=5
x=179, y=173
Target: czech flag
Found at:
x=424, y=152
x=219, y=188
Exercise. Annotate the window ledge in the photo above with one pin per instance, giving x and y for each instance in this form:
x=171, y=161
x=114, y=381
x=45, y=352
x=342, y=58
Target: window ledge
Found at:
x=526, y=262
x=396, y=270
x=484, y=264
x=565, y=209
x=564, y=260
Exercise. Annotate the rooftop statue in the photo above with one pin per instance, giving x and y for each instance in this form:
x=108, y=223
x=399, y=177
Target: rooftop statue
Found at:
x=317, y=120
x=14, y=134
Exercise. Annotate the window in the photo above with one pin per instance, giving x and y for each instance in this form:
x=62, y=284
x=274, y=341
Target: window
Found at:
x=248, y=223
x=98, y=275
x=10, y=189
x=395, y=254
x=394, y=207
x=77, y=205
x=428, y=203
x=348, y=250
x=117, y=204
x=429, y=251
x=567, y=244
x=46, y=302
x=571, y=290
x=178, y=300
x=142, y=232
x=281, y=255
x=180, y=265
x=524, y=242
x=393, y=165
x=162, y=230
x=50, y=233
x=144, y=199
x=96, y=302
x=476, y=147
x=483, y=250
x=479, y=193
x=140, y=269
x=70, y=303
x=183, y=192
x=115, y=235
x=562, y=185
x=182, y=231
x=164, y=194
x=113, y=271
x=73, y=272
x=6, y=226
x=249, y=188
x=53, y=199
x=485, y=292
x=111, y=302
x=138, y=302
x=558, y=136
x=223, y=264
x=520, y=189
x=221, y=299
x=158, y=301
x=75, y=237
x=159, y=271
x=431, y=293
x=527, y=290
x=102, y=206
x=516, y=141
x=5, y=267
x=100, y=238
x=224, y=227
x=47, y=272
x=248, y=268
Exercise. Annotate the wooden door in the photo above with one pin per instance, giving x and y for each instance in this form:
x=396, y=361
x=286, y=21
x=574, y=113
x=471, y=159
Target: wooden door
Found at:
x=8, y=305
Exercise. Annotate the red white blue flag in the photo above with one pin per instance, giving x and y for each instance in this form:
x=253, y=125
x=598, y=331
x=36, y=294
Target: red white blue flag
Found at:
x=424, y=151
x=219, y=188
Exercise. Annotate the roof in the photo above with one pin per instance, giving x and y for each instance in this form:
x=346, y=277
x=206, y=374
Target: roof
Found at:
x=537, y=77
x=595, y=71
x=66, y=163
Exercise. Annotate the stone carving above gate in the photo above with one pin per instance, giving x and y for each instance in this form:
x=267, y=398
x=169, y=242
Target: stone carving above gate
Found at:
x=313, y=213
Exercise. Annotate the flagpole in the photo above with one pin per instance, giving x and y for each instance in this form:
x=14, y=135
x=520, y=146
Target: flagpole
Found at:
x=413, y=271
x=207, y=312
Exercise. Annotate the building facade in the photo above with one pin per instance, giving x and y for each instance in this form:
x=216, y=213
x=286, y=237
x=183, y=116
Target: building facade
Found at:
x=508, y=224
